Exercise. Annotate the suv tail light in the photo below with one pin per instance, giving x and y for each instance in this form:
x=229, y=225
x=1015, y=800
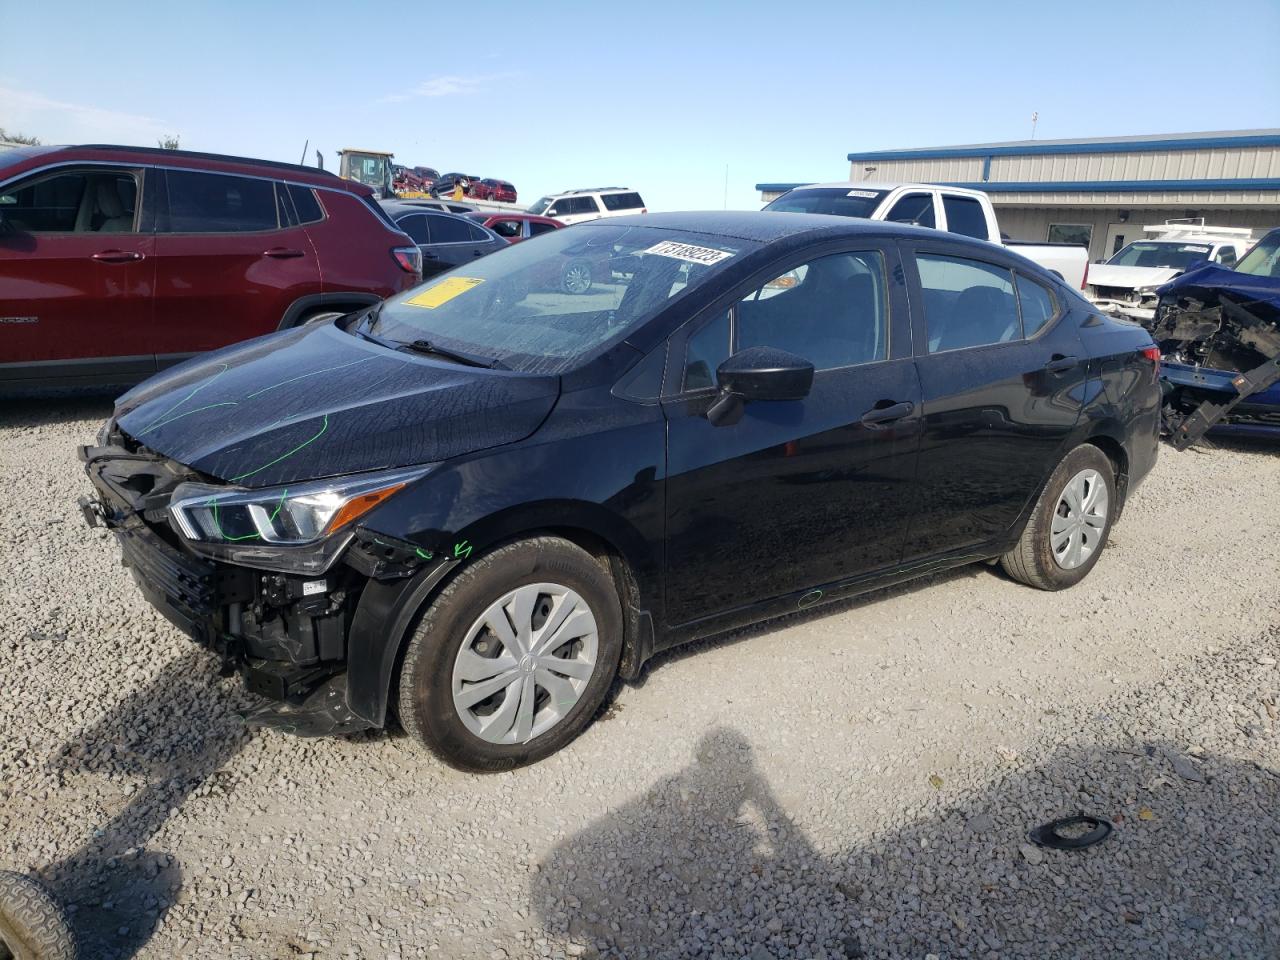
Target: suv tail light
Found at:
x=409, y=259
x=1152, y=353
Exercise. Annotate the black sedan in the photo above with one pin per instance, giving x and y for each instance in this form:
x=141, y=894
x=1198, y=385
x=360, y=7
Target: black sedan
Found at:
x=445, y=239
x=475, y=506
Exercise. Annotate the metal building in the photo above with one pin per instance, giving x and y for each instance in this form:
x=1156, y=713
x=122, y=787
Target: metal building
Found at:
x=1100, y=191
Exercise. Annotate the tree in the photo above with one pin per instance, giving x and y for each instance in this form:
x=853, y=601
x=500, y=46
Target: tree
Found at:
x=168, y=142
x=22, y=138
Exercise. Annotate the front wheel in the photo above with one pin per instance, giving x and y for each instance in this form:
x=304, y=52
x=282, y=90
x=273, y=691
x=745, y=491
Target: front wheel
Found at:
x=32, y=924
x=1069, y=525
x=512, y=660
x=576, y=277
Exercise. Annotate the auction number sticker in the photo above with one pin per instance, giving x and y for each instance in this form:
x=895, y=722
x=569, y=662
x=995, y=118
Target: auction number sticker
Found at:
x=441, y=293
x=864, y=194
x=688, y=252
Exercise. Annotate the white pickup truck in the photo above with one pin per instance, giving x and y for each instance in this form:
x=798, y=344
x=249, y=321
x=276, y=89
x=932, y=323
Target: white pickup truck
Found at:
x=954, y=209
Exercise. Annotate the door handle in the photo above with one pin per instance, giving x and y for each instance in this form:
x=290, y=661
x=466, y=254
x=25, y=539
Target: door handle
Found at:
x=117, y=256
x=1061, y=364
x=878, y=416
x=282, y=253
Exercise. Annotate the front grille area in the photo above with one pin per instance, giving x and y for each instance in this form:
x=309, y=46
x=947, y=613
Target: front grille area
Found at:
x=1115, y=293
x=184, y=581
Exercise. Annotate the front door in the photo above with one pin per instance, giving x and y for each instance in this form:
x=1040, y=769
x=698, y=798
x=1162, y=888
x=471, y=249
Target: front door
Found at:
x=802, y=493
x=1003, y=373
x=76, y=272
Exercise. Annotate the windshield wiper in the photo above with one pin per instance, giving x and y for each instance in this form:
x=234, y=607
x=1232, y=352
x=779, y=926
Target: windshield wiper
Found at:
x=426, y=346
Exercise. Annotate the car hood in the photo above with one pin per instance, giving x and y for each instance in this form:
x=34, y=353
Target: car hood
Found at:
x=317, y=402
x=1106, y=275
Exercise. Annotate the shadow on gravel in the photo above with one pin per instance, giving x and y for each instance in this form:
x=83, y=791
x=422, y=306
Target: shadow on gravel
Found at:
x=174, y=734
x=707, y=864
x=34, y=410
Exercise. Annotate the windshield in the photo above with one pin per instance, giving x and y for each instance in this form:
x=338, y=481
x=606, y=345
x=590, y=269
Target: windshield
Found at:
x=1178, y=256
x=838, y=201
x=545, y=305
x=541, y=205
x=371, y=171
x=1264, y=259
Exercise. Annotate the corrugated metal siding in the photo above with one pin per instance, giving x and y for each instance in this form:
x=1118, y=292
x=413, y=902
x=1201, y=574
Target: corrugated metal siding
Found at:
x=1208, y=198
x=1220, y=164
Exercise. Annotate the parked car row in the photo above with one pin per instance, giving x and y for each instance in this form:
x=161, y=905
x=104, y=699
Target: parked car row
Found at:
x=480, y=188
x=116, y=262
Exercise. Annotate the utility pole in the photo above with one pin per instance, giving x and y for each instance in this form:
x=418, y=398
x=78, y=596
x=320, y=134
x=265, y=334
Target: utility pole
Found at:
x=1035, y=116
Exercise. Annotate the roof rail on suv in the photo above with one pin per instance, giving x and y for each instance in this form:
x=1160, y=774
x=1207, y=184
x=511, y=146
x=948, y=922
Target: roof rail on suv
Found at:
x=591, y=190
x=195, y=155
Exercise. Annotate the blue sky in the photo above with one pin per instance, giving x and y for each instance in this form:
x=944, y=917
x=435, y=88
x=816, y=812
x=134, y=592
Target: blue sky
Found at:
x=658, y=96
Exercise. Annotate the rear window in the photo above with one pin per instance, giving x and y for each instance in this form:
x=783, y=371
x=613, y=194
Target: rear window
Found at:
x=622, y=201
x=965, y=216
x=218, y=203
x=838, y=201
x=305, y=204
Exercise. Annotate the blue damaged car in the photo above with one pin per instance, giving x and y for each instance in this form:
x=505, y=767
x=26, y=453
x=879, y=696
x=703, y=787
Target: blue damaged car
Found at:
x=1219, y=336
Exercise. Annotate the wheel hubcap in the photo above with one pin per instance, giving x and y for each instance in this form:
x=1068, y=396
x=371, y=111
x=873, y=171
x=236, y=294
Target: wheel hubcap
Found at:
x=1079, y=520
x=525, y=663
x=577, y=278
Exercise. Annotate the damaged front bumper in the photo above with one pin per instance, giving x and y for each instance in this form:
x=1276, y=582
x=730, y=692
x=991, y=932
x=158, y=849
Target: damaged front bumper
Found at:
x=285, y=634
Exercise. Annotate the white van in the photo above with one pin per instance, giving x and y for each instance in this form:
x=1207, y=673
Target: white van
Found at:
x=575, y=206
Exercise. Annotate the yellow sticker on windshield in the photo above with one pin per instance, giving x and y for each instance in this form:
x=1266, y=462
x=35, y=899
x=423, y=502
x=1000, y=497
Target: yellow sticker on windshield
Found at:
x=443, y=292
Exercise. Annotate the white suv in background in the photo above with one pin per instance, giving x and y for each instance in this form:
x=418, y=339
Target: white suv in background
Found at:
x=575, y=206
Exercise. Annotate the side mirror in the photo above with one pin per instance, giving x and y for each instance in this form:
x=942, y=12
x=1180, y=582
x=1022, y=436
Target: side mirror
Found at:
x=758, y=373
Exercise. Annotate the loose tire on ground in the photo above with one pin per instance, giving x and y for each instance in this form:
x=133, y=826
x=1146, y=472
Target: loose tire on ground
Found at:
x=32, y=924
x=1032, y=561
x=427, y=707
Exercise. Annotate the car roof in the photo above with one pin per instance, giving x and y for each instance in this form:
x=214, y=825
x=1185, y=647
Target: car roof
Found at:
x=882, y=185
x=221, y=162
x=765, y=226
x=395, y=209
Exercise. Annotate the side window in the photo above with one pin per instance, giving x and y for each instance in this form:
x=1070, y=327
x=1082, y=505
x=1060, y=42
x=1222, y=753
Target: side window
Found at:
x=832, y=311
x=585, y=205
x=416, y=227
x=965, y=216
x=284, y=207
x=305, y=204
x=216, y=203
x=477, y=234
x=914, y=208
x=536, y=228
x=704, y=352
x=506, y=228
x=79, y=201
x=1226, y=256
x=621, y=201
x=1037, y=304
x=967, y=303
x=449, y=230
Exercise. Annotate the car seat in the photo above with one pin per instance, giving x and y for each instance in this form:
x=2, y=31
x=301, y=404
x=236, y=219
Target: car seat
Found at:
x=111, y=215
x=979, y=315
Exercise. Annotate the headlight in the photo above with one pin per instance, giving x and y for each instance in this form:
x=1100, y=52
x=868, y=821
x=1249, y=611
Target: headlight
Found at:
x=282, y=528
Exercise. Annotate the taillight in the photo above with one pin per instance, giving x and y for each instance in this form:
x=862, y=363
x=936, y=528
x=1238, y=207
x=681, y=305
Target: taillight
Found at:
x=1084, y=283
x=1152, y=353
x=408, y=259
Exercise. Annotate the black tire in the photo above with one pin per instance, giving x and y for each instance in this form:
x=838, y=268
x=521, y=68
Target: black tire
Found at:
x=426, y=707
x=1032, y=561
x=32, y=924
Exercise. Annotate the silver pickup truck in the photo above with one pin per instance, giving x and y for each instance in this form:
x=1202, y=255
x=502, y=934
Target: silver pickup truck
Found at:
x=954, y=209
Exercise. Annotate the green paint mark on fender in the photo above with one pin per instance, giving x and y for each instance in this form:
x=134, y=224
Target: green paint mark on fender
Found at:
x=286, y=456
x=810, y=598
x=424, y=554
x=462, y=550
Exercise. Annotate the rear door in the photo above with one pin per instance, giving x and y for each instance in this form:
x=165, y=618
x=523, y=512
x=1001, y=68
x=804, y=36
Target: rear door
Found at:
x=230, y=260
x=455, y=241
x=796, y=494
x=76, y=272
x=1003, y=379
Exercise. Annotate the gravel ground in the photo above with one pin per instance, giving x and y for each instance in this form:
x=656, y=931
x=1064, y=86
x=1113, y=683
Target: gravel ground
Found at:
x=858, y=781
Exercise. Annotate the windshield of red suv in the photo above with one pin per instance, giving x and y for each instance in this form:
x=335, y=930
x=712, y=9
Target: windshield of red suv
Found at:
x=544, y=305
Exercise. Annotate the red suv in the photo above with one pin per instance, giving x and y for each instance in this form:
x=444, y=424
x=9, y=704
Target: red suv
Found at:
x=116, y=262
x=490, y=189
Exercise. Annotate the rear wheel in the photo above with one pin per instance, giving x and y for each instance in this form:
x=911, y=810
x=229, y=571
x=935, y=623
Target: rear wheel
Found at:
x=512, y=660
x=576, y=277
x=32, y=924
x=1069, y=525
